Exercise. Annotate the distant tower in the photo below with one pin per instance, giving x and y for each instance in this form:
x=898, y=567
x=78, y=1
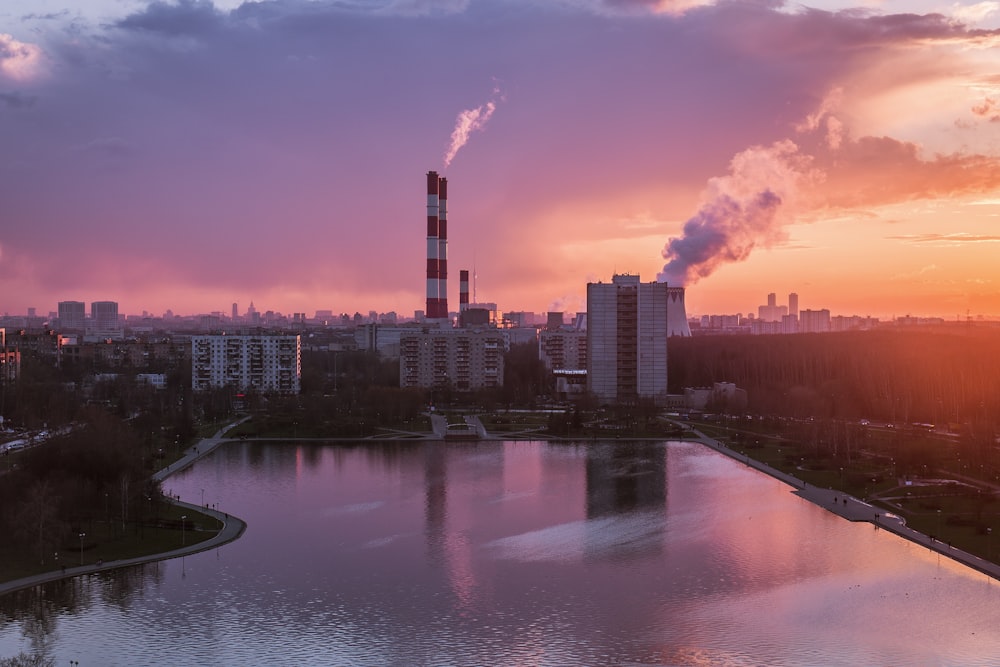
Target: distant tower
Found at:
x=772, y=300
x=236, y=312
x=793, y=304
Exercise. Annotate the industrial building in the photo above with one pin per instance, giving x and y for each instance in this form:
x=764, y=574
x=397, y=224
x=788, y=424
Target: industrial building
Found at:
x=627, y=331
x=264, y=363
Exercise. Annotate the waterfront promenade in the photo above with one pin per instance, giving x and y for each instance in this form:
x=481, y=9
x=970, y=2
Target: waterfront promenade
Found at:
x=232, y=527
x=853, y=509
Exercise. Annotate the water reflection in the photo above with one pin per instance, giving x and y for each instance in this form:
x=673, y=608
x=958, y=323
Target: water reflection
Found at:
x=514, y=553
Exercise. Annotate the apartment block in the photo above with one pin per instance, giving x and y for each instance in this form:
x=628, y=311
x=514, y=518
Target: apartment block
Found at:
x=627, y=330
x=463, y=359
x=264, y=363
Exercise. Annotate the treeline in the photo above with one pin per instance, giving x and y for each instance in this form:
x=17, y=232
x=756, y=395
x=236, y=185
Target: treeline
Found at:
x=352, y=393
x=98, y=471
x=895, y=376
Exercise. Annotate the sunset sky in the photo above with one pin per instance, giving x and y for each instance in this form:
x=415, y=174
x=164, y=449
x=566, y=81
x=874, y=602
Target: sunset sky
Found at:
x=191, y=154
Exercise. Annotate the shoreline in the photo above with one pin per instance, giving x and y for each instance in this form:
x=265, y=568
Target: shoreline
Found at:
x=853, y=509
x=232, y=526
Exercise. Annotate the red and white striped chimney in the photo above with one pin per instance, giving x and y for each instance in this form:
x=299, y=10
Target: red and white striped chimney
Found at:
x=442, y=248
x=432, y=244
x=463, y=291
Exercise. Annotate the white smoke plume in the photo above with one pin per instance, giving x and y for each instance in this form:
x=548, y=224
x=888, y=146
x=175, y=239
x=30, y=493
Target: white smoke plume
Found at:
x=469, y=121
x=747, y=208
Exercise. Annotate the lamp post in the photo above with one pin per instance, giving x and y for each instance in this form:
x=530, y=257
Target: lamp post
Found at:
x=183, y=524
x=82, y=535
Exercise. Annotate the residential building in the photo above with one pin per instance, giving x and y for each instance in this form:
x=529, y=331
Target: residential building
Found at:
x=462, y=359
x=10, y=361
x=627, y=339
x=264, y=363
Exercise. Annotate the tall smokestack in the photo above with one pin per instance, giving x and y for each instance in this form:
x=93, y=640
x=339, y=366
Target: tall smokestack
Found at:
x=677, y=320
x=463, y=290
x=443, y=248
x=432, y=244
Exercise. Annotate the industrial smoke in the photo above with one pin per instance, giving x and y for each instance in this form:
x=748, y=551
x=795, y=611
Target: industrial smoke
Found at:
x=469, y=121
x=745, y=209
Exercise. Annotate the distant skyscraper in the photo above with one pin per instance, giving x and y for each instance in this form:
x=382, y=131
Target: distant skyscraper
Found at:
x=627, y=339
x=72, y=316
x=772, y=312
x=793, y=304
x=236, y=312
x=104, y=318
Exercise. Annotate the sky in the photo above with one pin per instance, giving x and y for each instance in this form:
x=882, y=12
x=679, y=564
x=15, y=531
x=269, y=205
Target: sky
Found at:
x=189, y=154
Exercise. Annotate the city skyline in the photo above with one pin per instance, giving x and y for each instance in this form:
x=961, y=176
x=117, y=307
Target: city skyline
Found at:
x=187, y=155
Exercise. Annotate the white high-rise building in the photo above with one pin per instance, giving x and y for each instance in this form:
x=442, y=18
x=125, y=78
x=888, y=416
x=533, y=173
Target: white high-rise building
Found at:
x=264, y=363
x=627, y=329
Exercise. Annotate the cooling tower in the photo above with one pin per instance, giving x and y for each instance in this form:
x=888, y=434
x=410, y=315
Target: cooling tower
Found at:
x=677, y=321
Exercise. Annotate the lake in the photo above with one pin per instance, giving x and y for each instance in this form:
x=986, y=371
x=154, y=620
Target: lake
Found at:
x=515, y=553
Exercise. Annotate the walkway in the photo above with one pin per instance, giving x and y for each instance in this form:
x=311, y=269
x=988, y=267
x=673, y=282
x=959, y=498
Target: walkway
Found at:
x=853, y=509
x=232, y=527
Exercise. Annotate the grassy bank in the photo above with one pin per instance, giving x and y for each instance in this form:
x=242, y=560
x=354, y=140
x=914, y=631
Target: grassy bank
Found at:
x=109, y=541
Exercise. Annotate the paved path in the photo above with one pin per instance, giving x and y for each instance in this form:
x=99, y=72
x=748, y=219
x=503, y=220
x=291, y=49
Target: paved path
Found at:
x=853, y=509
x=232, y=527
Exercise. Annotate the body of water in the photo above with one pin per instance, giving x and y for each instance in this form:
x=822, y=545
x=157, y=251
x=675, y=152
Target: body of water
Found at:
x=515, y=553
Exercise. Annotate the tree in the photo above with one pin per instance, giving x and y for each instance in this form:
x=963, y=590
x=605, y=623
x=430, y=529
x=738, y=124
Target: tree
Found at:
x=38, y=519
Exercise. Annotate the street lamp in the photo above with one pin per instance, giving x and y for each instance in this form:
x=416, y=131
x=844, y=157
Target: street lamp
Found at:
x=82, y=535
x=183, y=523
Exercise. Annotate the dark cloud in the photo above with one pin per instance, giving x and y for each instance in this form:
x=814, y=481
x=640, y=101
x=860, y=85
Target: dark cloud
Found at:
x=50, y=16
x=108, y=147
x=17, y=100
x=186, y=17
